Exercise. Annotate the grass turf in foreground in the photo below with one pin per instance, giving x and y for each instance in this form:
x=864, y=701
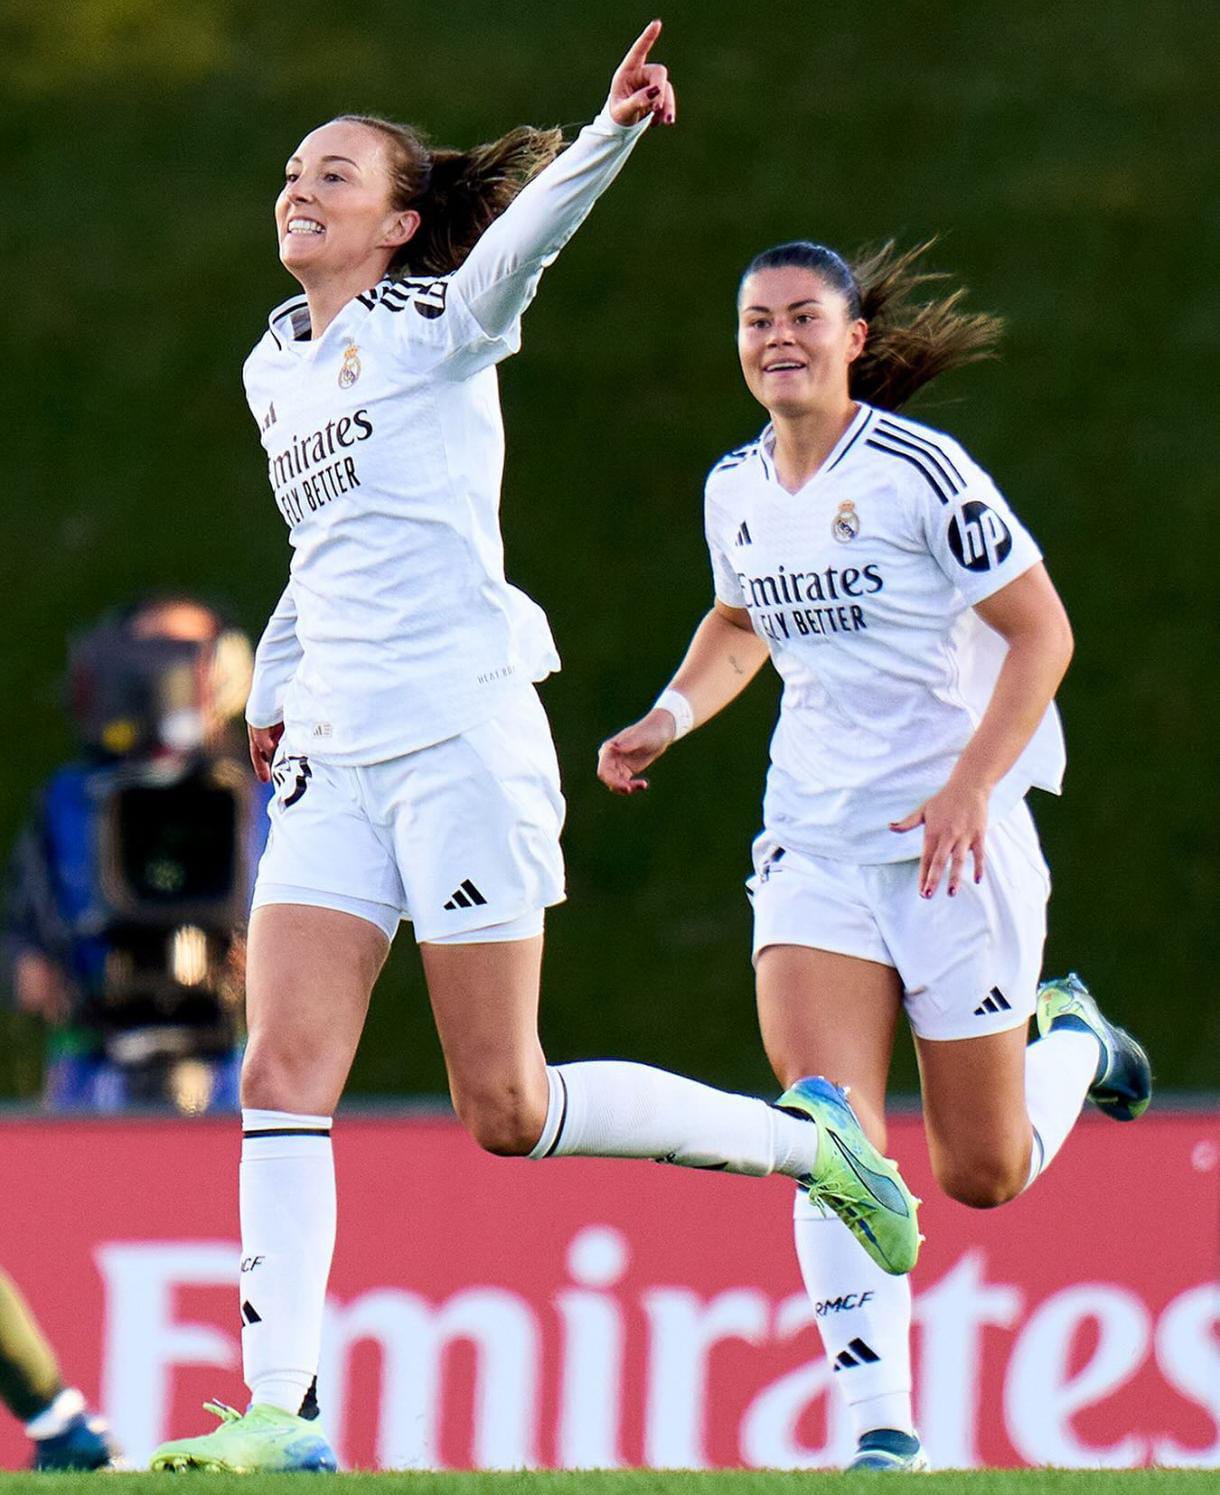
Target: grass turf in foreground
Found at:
x=648, y=1482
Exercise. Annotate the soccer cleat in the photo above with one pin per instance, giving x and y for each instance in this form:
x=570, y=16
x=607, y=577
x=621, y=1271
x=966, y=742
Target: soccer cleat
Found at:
x=1122, y=1086
x=265, y=1440
x=853, y=1180
x=84, y=1444
x=887, y=1451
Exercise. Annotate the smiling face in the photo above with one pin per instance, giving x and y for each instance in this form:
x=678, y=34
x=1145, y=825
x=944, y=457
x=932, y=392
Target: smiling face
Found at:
x=335, y=218
x=796, y=340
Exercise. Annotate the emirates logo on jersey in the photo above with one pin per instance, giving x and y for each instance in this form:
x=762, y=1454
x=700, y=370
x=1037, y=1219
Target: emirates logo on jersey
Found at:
x=845, y=525
x=350, y=371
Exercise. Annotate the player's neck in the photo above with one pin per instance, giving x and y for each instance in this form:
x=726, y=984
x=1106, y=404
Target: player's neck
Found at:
x=327, y=296
x=803, y=441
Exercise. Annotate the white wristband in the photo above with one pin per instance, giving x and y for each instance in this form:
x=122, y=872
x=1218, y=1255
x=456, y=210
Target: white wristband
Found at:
x=679, y=708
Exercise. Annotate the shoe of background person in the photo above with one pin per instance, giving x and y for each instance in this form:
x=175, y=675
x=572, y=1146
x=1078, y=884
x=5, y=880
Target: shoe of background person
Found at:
x=853, y=1180
x=1122, y=1086
x=887, y=1451
x=84, y=1444
x=263, y=1440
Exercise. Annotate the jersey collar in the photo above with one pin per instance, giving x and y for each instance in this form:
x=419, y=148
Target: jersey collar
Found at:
x=860, y=423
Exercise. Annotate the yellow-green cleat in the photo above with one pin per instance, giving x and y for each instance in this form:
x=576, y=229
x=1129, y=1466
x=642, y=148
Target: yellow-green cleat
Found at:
x=1122, y=1086
x=853, y=1180
x=263, y=1440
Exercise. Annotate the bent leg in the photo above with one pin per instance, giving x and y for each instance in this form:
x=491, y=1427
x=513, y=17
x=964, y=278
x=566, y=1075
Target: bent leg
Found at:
x=485, y=1002
x=979, y=1134
x=485, y=1005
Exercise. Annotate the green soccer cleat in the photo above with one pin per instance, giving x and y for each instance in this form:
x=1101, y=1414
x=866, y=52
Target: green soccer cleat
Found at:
x=887, y=1451
x=1122, y=1086
x=263, y=1441
x=853, y=1180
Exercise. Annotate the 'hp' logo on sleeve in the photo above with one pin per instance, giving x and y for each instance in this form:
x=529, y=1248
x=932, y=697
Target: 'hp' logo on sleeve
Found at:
x=978, y=537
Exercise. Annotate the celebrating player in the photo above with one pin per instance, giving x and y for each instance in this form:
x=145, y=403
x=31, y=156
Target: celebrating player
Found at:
x=395, y=710
x=920, y=643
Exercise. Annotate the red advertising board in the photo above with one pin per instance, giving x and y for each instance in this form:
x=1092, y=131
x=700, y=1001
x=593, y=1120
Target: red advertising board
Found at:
x=495, y=1314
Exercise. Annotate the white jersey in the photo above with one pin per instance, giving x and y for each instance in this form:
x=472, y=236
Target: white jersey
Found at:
x=862, y=584
x=385, y=450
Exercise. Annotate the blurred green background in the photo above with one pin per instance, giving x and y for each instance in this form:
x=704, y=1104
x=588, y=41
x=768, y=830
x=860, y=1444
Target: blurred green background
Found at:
x=1067, y=155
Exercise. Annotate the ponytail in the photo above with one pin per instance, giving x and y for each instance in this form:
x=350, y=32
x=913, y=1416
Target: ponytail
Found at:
x=456, y=193
x=910, y=340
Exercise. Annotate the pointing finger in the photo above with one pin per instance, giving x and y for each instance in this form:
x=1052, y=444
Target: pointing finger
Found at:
x=638, y=52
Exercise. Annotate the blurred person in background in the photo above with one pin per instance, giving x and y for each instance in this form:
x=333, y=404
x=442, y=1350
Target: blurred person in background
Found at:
x=130, y=885
x=394, y=706
x=921, y=643
x=66, y=1435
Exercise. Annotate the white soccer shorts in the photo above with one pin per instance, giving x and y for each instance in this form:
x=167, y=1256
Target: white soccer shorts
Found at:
x=461, y=838
x=969, y=964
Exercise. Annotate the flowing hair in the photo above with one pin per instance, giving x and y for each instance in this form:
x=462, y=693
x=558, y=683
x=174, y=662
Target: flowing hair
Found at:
x=457, y=194
x=911, y=338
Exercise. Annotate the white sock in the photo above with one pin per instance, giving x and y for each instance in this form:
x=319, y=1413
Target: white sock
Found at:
x=608, y=1108
x=287, y=1240
x=1058, y=1072
x=864, y=1317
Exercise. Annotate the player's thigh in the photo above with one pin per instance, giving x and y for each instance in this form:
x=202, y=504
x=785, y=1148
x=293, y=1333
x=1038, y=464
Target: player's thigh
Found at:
x=977, y=1126
x=309, y=974
x=484, y=998
x=829, y=1014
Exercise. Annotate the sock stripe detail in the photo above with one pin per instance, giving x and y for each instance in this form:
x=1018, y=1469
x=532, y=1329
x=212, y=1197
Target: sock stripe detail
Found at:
x=288, y=1131
x=563, y=1116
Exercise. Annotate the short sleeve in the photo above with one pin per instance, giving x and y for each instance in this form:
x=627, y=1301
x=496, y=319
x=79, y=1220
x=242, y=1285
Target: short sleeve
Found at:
x=976, y=539
x=725, y=579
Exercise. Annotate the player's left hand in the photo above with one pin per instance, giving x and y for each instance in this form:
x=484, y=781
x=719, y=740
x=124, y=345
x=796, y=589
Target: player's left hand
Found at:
x=639, y=87
x=954, y=826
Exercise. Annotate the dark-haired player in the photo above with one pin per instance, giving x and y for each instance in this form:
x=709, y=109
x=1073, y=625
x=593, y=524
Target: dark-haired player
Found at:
x=394, y=707
x=920, y=643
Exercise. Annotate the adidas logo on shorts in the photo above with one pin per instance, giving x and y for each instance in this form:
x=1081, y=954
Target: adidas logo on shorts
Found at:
x=467, y=896
x=994, y=1001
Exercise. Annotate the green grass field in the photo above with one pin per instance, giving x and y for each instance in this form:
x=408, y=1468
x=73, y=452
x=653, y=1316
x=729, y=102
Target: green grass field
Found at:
x=661, y=1482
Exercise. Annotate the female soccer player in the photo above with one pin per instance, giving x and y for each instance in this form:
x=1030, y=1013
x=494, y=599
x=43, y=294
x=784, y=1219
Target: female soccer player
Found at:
x=394, y=708
x=920, y=643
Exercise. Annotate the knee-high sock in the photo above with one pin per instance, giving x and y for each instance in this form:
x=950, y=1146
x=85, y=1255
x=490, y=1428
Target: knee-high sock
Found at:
x=1058, y=1072
x=29, y=1373
x=608, y=1108
x=287, y=1241
x=864, y=1317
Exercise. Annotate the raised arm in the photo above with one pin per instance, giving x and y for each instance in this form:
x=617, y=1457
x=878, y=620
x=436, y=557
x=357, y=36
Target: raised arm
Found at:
x=499, y=278
x=725, y=654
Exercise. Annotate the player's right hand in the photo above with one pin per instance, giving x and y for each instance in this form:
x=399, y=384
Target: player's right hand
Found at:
x=263, y=743
x=623, y=757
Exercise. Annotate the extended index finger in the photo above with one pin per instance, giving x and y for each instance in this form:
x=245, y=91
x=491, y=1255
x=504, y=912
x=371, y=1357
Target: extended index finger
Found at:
x=637, y=53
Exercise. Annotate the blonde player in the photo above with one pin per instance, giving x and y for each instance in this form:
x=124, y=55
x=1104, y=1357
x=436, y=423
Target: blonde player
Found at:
x=920, y=643
x=394, y=708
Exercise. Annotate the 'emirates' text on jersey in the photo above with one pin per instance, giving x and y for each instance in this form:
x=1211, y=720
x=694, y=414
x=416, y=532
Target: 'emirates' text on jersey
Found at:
x=385, y=450
x=862, y=584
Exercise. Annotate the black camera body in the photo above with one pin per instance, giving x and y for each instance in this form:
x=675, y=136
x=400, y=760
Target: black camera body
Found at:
x=171, y=872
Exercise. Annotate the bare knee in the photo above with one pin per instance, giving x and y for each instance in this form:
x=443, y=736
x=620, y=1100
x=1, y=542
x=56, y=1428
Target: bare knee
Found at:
x=275, y=1077
x=981, y=1182
x=505, y=1119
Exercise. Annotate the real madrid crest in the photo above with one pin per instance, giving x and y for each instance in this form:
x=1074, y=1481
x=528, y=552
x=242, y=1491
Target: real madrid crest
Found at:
x=845, y=525
x=350, y=371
